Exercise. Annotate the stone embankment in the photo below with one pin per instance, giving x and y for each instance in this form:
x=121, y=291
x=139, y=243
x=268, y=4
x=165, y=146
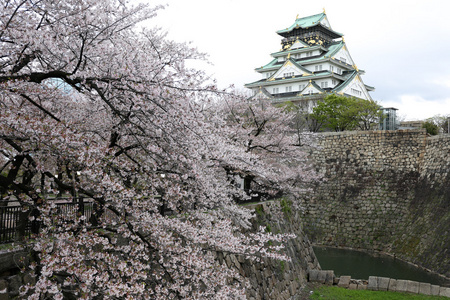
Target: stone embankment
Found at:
x=378, y=284
x=11, y=279
x=272, y=279
x=384, y=191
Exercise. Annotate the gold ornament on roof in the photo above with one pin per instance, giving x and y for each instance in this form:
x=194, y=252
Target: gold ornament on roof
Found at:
x=324, y=10
x=296, y=17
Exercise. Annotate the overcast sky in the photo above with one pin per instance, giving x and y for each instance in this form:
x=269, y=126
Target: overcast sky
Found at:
x=404, y=46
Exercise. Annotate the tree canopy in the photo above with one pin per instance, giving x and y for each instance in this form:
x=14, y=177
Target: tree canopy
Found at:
x=93, y=106
x=431, y=127
x=339, y=113
x=441, y=121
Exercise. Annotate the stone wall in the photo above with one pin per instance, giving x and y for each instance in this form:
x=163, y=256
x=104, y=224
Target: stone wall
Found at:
x=273, y=279
x=386, y=191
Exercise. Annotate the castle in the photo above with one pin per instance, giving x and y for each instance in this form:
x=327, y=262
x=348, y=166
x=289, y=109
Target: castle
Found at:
x=313, y=62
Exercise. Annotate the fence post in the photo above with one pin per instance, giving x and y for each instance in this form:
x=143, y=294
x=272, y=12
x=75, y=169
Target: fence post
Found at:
x=97, y=211
x=81, y=206
x=21, y=220
x=35, y=224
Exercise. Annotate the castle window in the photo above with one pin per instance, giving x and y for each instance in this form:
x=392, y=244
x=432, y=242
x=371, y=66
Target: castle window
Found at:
x=324, y=84
x=289, y=74
x=356, y=92
x=343, y=59
x=288, y=89
x=275, y=90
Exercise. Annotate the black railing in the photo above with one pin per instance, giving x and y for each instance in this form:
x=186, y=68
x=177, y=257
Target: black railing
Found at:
x=16, y=222
x=9, y=223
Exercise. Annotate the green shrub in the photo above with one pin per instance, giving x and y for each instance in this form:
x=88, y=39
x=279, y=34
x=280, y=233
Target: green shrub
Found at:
x=431, y=128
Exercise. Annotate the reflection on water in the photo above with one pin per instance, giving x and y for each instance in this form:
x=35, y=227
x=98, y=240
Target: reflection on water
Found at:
x=360, y=265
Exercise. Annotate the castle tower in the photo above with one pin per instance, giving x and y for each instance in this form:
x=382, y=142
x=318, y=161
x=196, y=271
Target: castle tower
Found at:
x=313, y=61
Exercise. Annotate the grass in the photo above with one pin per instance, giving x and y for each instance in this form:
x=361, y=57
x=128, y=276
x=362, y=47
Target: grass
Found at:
x=336, y=293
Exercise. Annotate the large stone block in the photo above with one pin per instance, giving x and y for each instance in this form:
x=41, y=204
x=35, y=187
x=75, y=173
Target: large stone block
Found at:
x=329, y=277
x=392, y=285
x=402, y=285
x=424, y=288
x=383, y=283
x=373, y=283
x=12, y=260
x=444, y=291
x=314, y=275
x=435, y=290
x=344, y=281
x=412, y=287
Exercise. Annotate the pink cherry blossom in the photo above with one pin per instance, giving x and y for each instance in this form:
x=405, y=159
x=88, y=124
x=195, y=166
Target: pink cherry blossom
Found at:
x=92, y=105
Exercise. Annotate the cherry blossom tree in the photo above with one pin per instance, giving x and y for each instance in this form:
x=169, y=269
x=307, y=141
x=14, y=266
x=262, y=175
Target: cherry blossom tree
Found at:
x=93, y=106
x=266, y=130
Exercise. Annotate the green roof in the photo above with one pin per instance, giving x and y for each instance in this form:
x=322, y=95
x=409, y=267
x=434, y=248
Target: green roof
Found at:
x=269, y=65
x=264, y=82
x=346, y=82
x=309, y=48
x=307, y=22
x=300, y=66
x=304, y=22
x=332, y=50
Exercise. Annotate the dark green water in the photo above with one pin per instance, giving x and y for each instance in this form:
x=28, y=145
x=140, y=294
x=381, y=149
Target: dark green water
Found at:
x=360, y=265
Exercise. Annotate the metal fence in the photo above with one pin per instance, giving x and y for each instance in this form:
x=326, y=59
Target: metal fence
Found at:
x=12, y=217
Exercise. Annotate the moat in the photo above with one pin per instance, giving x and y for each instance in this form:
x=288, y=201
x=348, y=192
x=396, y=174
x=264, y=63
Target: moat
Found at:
x=361, y=265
